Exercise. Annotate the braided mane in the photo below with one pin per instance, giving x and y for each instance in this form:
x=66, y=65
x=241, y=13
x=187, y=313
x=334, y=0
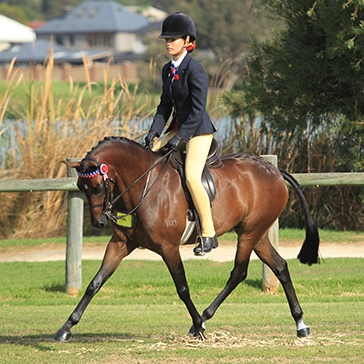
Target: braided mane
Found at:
x=103, y=141
x=111, y=139
x=101, y=144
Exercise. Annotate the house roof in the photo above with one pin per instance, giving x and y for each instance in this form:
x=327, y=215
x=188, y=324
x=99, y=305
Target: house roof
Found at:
x=13, y=32
x=153, y=14
x=96, y=16
x=39, y=51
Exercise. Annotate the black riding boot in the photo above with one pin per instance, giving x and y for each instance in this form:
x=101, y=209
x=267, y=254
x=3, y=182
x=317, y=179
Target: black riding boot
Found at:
x=206, y=245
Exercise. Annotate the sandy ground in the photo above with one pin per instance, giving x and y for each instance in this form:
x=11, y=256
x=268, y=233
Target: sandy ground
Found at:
x=225, y=252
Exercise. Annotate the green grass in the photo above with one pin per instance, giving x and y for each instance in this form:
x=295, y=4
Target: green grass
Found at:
x=60, y=89
x=138, y=318
x=240, y=333
x=31, y=243
x=144, y=282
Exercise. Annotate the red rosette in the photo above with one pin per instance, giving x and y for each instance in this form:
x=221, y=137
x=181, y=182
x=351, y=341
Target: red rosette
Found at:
x=103, y=169
x=176, y=78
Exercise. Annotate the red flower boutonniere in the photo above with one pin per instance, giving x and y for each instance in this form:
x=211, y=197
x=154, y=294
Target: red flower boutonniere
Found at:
x=176, y=78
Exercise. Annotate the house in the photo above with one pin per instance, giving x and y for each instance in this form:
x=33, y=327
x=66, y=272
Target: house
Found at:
x=98, y=26
x=14, y=33
x=97, y=31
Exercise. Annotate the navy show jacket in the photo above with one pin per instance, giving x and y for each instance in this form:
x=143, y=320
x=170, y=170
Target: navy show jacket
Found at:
x=186, y=97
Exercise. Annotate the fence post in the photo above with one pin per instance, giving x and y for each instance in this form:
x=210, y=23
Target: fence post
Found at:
x=74, y=238
x=270, y=281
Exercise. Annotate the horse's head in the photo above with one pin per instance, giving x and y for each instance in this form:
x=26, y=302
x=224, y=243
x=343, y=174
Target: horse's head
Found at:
x=94, y=182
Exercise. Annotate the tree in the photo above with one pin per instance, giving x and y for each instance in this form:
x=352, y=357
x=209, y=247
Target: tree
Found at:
x=225, y=27
x=308, y=79
x=306, y=84
x=225, y=30
x=21, y=13
x=53, y=9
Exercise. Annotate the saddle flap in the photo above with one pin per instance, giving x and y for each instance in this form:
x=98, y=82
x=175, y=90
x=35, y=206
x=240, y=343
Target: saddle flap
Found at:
x=213, y=159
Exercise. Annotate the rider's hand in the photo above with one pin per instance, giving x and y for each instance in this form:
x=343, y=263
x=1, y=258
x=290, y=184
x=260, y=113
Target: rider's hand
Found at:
x=150, y=138
x=173, y=143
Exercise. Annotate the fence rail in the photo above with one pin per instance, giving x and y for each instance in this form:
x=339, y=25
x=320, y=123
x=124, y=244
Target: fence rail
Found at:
x=76, y=204
x=70, y=183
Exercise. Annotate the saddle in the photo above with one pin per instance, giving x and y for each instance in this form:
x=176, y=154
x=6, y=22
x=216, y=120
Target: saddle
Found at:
x=213, y=161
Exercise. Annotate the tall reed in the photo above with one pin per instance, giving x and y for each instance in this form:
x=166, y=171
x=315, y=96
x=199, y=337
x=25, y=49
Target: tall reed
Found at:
x=48, y=130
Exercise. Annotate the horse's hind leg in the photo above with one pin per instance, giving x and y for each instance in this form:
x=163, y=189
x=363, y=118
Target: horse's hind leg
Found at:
x=278, y=265
x=114, y=254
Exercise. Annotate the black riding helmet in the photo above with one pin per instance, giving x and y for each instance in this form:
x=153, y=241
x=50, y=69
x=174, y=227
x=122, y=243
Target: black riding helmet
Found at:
x=178, y=25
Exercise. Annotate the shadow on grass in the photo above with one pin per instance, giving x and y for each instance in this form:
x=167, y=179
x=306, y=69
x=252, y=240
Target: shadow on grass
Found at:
x=255, y=283
x=46, y=342
x=55, y=287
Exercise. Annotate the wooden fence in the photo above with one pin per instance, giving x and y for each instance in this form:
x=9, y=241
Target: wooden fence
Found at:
x=76, y=206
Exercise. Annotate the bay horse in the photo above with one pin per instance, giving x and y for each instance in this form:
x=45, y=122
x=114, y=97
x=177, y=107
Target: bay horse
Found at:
x=121, y=175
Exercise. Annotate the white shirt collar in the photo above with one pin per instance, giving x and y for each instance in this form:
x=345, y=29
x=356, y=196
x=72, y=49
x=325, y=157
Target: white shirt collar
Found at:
x=179, y=60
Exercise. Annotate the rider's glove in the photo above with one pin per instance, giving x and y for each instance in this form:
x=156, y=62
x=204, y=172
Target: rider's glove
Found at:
x=174, y=142
x=150, y=138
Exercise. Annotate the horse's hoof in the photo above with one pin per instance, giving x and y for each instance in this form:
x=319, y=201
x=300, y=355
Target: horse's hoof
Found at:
x=62, y=336
x=192, y=330
x=303, y=332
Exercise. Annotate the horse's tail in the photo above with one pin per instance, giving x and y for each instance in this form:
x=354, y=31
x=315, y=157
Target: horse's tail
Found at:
x=309, y=251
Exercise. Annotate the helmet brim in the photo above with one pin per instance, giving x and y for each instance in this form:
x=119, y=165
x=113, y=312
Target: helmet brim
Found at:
x=165, y=36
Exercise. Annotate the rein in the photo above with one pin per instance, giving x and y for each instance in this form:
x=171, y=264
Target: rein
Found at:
x=109, y=202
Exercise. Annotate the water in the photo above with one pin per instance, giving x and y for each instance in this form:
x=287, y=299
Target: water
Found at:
x=11, y=130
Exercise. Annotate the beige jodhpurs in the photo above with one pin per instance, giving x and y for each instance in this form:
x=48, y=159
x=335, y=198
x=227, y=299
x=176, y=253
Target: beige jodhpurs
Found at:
x=197, y=150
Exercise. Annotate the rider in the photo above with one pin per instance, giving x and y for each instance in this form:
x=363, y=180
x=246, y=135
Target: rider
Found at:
x=184, y=91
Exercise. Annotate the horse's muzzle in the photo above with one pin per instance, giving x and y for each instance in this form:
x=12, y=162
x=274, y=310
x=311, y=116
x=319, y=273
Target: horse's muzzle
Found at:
x=100, y=222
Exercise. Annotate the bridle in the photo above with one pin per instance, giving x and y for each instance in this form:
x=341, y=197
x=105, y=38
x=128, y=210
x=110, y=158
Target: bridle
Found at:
x=109, y=200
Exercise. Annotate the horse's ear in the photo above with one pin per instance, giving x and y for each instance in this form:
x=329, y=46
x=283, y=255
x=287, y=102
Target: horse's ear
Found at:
x=72, y=164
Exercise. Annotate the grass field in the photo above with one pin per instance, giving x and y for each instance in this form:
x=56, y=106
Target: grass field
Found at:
x=137, y=316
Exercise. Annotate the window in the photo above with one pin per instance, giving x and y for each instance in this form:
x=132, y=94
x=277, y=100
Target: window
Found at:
x=59, y=40
x=99, y=40
x=93, y=12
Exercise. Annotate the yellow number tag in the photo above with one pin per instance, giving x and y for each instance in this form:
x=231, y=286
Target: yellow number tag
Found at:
x=125, y=220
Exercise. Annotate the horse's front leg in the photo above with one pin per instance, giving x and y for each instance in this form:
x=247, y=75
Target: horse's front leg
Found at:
x=173, y=260
x=115, y=253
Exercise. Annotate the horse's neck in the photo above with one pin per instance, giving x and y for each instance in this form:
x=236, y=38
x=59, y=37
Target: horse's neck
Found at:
x=132, y=164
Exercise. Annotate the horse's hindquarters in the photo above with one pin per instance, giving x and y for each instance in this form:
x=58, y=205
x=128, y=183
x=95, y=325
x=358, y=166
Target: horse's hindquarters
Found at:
x=249, y=189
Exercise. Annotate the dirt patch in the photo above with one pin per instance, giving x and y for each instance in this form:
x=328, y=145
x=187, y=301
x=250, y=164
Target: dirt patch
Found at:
x=225, y=252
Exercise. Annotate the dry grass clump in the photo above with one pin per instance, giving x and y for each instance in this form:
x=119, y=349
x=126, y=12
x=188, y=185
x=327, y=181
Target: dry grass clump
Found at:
x=47, y=130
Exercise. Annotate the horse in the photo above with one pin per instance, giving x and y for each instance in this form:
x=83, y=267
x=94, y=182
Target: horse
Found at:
x=120, y=175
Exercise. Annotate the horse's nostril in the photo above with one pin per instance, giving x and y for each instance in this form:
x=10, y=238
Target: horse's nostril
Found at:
x=100, y=225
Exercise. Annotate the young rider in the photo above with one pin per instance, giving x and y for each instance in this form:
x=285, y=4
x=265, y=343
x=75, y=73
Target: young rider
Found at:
x=184, y=91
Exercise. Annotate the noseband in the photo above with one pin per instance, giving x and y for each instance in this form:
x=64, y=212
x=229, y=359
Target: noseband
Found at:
x=109, y=201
